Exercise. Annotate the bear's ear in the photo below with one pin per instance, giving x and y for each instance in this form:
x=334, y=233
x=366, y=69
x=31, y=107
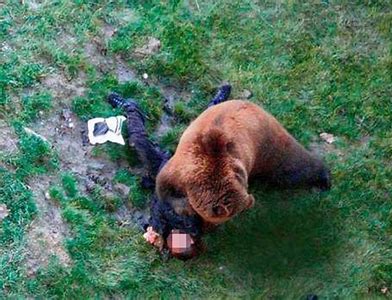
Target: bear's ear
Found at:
x=214, y=143
x=165, y=183
x=170, y=191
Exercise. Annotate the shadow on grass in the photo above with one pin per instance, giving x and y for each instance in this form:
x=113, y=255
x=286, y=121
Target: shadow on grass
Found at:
x=286, y=233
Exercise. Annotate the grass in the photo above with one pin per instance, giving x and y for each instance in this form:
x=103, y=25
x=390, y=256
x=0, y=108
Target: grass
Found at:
x=319, y=66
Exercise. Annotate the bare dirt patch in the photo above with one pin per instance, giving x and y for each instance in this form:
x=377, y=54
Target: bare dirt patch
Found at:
x=96, y=55
x=108, y=31
x=151, y=47
x=66, y=133
x=171, y=95
x=64, y=89
x=47, y=232
x=8, y=140
x=124, y=74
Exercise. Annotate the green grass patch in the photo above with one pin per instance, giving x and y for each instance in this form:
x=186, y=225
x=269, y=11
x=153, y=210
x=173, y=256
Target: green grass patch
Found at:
x=69, y=185
x=318, y=67
x=35, y=155
x=108, y=259
x=18, y=199
x=95, y=105
x=35, y=106
x=137, y=196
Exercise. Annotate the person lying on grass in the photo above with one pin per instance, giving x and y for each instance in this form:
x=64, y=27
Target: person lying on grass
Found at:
x=166, y=229
x=205, y=183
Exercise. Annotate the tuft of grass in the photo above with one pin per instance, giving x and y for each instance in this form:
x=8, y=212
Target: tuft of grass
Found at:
x=69, y=185
x=116, y=152
x=124, y=176
x=182, y=113
x=102, y=200
x=137, y=196
x=19, y=201
x=35, y=156
x=35, y=106
x=170, y=139
x=29, y=74
x=56, y=194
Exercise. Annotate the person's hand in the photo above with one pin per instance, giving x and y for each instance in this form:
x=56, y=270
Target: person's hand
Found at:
x=180, y=244
x=154, y=238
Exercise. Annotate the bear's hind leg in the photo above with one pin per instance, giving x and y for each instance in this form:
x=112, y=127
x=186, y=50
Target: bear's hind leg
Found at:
x=301, y=169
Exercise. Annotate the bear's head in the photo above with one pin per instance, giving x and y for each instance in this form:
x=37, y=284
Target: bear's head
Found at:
x=217, y=186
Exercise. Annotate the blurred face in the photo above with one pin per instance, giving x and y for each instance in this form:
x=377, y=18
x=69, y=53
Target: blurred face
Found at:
x=180, y=243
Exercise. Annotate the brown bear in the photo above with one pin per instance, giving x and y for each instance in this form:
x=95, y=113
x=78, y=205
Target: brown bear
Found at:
x=221, y=150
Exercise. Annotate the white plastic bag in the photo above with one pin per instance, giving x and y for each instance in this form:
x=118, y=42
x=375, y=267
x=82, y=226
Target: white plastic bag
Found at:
x=101, y=130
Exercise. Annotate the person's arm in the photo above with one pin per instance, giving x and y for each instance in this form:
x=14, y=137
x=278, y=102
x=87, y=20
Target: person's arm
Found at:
x=222, y=95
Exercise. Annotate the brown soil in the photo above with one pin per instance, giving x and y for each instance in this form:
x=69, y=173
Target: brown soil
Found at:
x=8, y=140
x=64, y=131
x=47, y=232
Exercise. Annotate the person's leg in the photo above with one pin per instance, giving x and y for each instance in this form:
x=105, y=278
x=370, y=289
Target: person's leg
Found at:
x=150, y=155
x=163, y=218
x=148, y=152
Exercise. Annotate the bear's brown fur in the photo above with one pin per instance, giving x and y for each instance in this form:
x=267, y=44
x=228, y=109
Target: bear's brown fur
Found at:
x=224, y=147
